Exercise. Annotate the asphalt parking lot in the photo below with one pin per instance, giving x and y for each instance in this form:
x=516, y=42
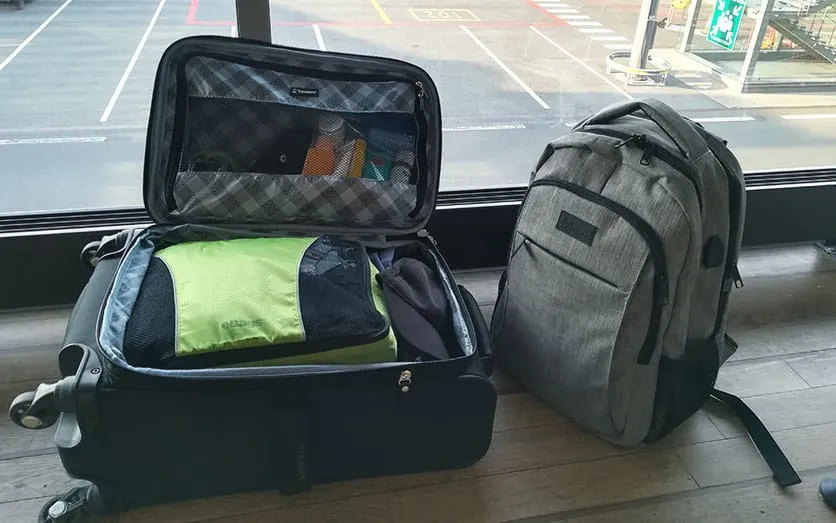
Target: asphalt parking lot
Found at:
x=76, y=78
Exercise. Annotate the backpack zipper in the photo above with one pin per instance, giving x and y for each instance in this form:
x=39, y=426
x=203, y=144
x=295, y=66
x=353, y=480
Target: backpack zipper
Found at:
x=731, y=273
x=661, y=285
x=652, y=149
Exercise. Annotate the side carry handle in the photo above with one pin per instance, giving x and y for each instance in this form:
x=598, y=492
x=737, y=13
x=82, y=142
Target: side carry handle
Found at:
x=111, y=245
x=782, y=470
x=686, y=138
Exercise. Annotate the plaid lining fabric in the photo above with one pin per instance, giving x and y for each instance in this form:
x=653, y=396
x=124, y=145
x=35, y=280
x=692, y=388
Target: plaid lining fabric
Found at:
x=210, y=78
x=244, y=131
x=237, y=124
x=293, y=198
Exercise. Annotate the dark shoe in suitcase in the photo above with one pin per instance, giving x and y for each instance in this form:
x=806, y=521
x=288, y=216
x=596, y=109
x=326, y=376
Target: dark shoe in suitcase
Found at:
x=145, y=435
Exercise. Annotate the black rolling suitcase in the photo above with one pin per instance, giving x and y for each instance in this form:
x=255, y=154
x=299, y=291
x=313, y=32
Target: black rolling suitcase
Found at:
x=243, y=146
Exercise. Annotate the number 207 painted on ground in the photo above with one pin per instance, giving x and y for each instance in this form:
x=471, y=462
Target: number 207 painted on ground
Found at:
x=443, y=15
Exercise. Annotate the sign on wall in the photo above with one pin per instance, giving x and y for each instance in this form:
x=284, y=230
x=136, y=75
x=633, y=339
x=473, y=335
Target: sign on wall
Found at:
x=725, y=22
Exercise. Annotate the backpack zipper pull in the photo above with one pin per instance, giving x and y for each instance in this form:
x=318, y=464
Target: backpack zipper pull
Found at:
x=626, y=141
x=420, y=87
x=641, y=141
x=648, y=151
x=738, y=280
x=662, y=291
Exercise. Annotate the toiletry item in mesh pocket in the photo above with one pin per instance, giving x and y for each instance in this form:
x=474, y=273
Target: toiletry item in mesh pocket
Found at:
x=258, y=301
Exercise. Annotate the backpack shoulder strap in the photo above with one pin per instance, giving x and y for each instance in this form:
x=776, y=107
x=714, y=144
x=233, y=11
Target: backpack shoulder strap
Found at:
x=782, y=469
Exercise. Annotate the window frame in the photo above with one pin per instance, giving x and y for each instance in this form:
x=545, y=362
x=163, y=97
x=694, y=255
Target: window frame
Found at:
x=40, y=252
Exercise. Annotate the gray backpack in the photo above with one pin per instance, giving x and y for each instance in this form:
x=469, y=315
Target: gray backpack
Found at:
x=613, y=305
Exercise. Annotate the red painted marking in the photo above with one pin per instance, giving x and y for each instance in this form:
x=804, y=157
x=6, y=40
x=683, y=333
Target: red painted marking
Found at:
x=191, y=18
x=543, y=10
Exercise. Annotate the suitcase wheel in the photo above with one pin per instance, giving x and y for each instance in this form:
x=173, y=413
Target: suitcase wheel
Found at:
x=17, y=411
x=23, y=415
x=67, y=508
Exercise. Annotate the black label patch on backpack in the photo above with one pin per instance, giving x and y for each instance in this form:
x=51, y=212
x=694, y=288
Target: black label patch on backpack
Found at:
x=577, y=228
x=304, y=92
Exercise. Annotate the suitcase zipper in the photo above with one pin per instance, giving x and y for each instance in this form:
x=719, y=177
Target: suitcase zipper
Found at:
x=657, y=253
x=405, y=380
x=435, y=369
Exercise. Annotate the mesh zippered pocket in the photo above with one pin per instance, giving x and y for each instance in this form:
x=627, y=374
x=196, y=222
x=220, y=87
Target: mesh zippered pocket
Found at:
x=267, y=143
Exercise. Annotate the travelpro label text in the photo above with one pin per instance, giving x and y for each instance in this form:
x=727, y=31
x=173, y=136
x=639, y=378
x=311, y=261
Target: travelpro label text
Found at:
x=304, y=92
x=240, y=324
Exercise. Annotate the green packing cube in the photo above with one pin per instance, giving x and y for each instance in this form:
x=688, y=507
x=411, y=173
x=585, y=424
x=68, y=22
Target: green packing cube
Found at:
x=259, y=301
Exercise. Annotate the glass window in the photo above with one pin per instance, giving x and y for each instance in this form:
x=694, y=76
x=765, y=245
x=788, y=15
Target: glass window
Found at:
x=76, y=79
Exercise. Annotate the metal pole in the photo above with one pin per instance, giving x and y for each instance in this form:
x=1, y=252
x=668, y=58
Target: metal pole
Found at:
x=754, y=50
x=690, y=26
x=645, y=34
x=253, y=18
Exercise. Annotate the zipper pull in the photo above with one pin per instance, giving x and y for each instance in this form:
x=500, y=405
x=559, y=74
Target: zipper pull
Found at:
x=641, y=141
x=420, y=87
x=663, y=290
x=648, y=153
x=405, y=380
x=624, y=142
x=738, y=280
x=424, y=234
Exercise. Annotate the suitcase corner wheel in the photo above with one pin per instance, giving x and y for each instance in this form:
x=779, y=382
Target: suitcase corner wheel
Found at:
x=38, y=409
x=71, y=507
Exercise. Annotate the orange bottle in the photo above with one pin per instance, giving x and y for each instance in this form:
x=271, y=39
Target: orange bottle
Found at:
x=321, y=158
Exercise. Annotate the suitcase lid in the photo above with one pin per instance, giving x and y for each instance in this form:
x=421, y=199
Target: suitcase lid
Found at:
x=248, y=134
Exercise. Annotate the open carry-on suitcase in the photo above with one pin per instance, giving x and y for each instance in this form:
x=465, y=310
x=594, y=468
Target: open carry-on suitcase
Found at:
x=286, y=321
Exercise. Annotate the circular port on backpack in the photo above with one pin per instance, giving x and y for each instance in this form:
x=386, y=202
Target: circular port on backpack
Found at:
x=713, y=252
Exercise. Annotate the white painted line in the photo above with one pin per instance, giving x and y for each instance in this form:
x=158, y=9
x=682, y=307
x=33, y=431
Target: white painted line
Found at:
x=233, y=31
x=26, y=41
x=718, y=119
x=319, y=40
x=574, y=17
x=616, y=47
x=70, y=129
x=561, y=11
x=608, y=39
x=69, y=230
x=583, y=23
x=492, y=127
x=790, y=185
x=819, y=116
x=583, y=64
x=68, y=139
x=505, y=68
x=725, y=119
x=547, y=5
x=132, y=63
x=596, y=30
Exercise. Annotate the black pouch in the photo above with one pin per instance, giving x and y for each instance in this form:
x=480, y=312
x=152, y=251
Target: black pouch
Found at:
x=419, y=309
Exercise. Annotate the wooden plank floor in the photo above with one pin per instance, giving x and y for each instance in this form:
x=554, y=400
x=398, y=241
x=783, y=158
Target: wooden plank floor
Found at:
x=541, y=467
